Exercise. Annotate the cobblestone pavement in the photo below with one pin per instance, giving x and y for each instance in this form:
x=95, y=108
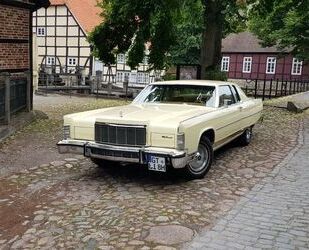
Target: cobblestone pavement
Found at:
x=273, y=215
x=72, y=204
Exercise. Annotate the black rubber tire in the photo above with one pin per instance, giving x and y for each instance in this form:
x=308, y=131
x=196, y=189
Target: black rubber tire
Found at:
x=245, y=138
x=190, y=173
x=103, y=163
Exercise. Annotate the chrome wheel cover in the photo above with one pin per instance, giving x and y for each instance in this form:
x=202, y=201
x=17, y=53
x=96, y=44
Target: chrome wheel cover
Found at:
x=199, y=164
x=248, y=135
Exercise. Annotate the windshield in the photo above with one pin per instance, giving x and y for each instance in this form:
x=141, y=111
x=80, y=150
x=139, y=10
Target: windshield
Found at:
x=189, y=94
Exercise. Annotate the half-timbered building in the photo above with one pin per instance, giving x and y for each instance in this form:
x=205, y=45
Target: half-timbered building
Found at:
x=243, y=57
x=61, y=32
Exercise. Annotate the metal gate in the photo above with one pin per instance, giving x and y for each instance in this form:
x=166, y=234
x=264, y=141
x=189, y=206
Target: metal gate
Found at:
x=17, y=96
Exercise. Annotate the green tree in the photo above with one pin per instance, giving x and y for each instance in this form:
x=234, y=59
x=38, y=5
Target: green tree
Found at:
x=283, y=23
x=165, y=25
x=189, y=29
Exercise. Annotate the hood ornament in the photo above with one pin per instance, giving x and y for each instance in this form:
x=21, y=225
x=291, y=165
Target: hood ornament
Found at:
x=121, y=113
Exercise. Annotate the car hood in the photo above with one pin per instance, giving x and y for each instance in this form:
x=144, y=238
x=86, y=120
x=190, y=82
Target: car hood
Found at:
x=140, y=114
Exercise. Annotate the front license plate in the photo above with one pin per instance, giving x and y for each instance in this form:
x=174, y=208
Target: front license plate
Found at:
x=157, y=164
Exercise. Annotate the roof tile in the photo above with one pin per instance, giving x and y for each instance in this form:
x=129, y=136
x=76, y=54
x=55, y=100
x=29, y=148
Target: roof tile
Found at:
x=245, y=42
x=86, y=12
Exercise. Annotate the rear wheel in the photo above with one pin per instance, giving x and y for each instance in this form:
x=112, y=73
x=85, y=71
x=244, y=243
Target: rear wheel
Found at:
x=198, y=168
x=246, y=137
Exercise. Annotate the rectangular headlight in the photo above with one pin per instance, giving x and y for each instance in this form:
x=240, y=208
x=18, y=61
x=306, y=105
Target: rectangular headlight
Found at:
x=181, y=141
x=66, y=132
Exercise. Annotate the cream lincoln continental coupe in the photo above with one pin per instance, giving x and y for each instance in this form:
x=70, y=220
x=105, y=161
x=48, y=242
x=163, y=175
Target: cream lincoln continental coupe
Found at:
x=173, y=124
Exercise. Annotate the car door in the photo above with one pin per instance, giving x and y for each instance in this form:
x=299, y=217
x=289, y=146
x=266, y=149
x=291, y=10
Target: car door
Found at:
x=228, y=115
x=245, y=108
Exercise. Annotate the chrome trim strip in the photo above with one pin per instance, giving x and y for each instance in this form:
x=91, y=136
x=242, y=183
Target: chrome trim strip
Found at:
x=121, y=125
x=113, y=148
x=172, y=154
x=70, y=142
x=69, y=146
x=77, y=146
x=113, y=158
x=227, y=140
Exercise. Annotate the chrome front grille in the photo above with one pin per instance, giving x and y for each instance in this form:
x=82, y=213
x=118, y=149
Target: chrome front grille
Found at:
x=125, y=135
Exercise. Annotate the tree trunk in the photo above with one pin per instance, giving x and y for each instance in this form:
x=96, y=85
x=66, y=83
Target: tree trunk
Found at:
x=212, y=36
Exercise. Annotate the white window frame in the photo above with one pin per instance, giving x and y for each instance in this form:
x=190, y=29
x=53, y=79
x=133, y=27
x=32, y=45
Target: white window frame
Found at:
x=72, y=61
x=146, y=76
x=297, y=67
x=271, y=61
x=225, y=64
x=126, y=76
x=41, y=31
x=133, y=77
x=247, y=64
x=50, y=60
x=140, y=77
x=120, y=76
x=121, y=58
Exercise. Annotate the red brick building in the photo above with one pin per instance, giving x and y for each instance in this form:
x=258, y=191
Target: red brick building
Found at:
x=16, y=40
x=244, y=58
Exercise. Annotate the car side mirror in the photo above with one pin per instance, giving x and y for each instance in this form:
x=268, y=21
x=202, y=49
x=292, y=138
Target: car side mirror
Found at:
x=227, y=102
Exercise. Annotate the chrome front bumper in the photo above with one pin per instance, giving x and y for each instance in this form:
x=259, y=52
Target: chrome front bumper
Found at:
x=176, y=158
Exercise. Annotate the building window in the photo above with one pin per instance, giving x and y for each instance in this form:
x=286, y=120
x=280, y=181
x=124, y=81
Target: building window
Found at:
x=72, y=61
x=122, y=76
x=271, y=65
x=119, y=77
x=225, y=64
x=132, y=78
x=247, y=65
x=297, y=67
x=146, y=77
x=120, y=58
x=41, y=31
x=50, y=60
x=140, y=77
x=126, y=77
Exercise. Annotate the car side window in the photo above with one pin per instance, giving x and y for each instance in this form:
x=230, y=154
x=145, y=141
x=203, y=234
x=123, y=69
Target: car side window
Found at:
x=235, y=93
x=225, y=94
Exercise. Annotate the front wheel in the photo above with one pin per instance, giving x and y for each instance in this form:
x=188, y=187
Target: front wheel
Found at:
x=198, y=168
